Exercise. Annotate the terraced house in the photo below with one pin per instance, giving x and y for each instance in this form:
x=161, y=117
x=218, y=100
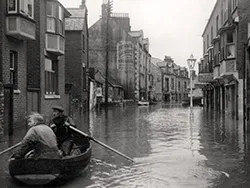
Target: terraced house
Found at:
x=225, y=61
x=31, y=58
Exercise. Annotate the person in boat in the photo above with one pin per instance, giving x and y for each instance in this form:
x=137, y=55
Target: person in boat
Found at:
x=60, y=125
x=39, y=142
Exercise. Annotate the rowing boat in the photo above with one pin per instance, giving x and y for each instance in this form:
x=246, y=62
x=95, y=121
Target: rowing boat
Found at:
x=48, y=171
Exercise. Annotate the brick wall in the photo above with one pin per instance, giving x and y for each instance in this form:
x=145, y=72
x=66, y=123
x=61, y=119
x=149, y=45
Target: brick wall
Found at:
x=19, y=98
x=244, y=14
x=73, y=62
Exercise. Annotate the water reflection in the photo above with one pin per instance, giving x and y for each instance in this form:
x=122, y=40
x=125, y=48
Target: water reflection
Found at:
x=170, y=149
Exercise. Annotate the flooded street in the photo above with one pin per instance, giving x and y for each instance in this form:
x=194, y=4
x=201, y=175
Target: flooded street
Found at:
x=170, y=149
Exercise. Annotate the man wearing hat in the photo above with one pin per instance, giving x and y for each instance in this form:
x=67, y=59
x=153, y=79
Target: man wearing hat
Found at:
x=59, y=125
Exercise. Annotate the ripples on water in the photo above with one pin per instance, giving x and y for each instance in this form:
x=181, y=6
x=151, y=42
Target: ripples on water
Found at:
x=170, y=149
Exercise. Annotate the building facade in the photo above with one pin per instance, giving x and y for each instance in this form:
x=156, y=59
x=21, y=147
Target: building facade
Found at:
x=76, y=58
x=222, y=65
x=46, y=60
x=17, y=26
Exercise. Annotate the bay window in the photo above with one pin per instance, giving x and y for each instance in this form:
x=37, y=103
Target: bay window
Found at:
x=60, y=21
x=51, y=17
x=26, y=7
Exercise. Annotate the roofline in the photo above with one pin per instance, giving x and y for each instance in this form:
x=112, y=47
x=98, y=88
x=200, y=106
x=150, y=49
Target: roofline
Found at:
x=217, y=1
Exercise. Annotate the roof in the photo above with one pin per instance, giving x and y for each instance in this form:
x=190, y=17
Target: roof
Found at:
x=155, y=60
x=101, y=79
x=77, y=12
x=76, y=20
x=74, y=24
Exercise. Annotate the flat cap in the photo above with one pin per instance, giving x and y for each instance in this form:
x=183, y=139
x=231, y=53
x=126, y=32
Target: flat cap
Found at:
x=59, y=108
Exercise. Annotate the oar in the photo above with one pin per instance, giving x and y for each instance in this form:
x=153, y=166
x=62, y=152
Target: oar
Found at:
x=99, y=142
x=10, y=148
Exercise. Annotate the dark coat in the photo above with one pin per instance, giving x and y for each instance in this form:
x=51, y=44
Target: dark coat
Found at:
x=61, y=130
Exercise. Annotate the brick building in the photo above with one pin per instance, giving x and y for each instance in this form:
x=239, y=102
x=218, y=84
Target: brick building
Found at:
x=17, y=26
x=119, y=25
x=76, y=55
x=31, y=61
x=175, y=80
x=223, y=66
x=46, y=62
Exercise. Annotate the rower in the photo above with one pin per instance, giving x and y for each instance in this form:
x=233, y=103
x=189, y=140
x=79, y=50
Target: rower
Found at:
x=59, y=125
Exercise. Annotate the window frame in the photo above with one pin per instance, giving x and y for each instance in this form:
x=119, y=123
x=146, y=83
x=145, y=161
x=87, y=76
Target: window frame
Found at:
x=52, y=16
x=13, y=68
x=22, y=2
x=8, y=7
x=51, y=80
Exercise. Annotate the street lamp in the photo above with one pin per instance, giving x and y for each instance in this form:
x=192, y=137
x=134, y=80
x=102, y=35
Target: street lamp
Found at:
x=191, y=63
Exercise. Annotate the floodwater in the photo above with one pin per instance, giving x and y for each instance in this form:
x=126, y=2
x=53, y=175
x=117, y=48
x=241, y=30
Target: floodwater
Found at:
x=170, y=149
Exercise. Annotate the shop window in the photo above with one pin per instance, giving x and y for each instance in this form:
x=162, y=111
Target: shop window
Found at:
x=51, y=77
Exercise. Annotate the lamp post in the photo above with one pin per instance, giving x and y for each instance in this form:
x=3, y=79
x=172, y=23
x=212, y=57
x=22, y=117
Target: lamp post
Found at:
x=191, y=63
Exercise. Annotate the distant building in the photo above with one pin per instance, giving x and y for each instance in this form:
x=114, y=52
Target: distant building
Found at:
x=156, y=72
x=174, y=81
x=76, y=57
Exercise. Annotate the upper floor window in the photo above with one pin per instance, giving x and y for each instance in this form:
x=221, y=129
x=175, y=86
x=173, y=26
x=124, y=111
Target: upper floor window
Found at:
x=13, y=68
x=212, y=33
x=51, y=77
x=234, y=4
x=51, y=16
x=26, y=7
x=217, y=24
x=83, y=42
x=12, y=6
x=60, y=21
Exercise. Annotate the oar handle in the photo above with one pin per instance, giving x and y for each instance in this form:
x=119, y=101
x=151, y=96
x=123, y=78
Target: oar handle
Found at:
x=99, y=142
x=10, y=148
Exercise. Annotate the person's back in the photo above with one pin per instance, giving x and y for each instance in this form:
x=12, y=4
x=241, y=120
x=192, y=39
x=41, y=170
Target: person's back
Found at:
x=46, y=146
x=40, y=140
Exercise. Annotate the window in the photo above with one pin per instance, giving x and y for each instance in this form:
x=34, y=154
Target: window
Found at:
x=51, y=77
x=26, y=8
x=12, y=6
x=230, y=38
x=60, y=16
x=234, y=4
x=207, y=41
x=13, y=68
x=172, y=83
x=217, y=25
x=51, y=17
x=212, y=33
x=83, y=43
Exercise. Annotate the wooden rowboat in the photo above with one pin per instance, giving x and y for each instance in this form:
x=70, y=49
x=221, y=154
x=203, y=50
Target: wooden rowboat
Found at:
x=49, y=171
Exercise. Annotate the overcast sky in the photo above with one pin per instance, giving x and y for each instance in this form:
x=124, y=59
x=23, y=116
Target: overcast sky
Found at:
x=174, y=27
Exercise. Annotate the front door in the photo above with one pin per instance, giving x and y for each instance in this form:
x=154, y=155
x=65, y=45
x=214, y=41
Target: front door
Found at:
x=8, y=109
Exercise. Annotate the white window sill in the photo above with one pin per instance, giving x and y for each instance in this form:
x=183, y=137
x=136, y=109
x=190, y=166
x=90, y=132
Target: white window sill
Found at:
x=17, y=91
x=52, y=96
